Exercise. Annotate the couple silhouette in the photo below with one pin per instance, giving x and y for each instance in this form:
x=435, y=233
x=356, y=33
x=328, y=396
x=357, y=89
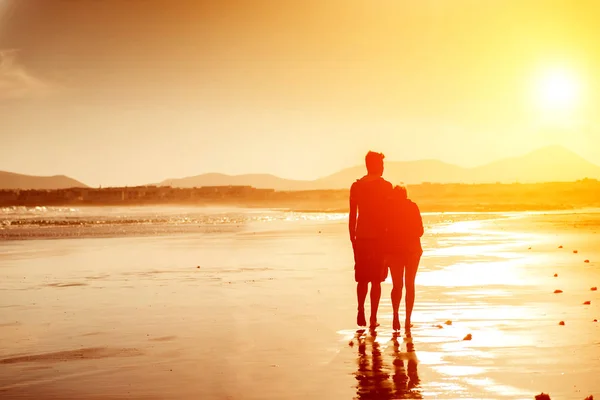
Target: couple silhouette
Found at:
x=385, y=230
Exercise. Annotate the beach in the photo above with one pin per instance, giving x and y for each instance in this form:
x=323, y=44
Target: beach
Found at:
x=179, y=303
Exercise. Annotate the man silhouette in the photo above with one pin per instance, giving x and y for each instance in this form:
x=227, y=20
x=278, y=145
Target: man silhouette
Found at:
x=369, y=198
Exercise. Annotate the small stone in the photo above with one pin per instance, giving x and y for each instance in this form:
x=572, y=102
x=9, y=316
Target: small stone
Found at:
x=448, y=322
x=529, y=248
x=590, y=397
x=574, y=251
x=468, y=337
x=438, y=326
x=587, y=303
x=593, y=289
x=595, y=320
x=561, y=323
x=557, y=291
x=560, y=247
x=542, y=396
x=556, y=275
x=351, y=343
x=198, y=266
x=586, y=261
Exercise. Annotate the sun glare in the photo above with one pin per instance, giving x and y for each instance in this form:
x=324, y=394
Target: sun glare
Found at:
x=558, y=90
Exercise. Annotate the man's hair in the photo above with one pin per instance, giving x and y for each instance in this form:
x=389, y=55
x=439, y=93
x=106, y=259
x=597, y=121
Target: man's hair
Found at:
x=374, y=162
x=400, y=191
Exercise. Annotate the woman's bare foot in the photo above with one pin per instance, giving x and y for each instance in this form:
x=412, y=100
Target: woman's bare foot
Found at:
x=396, y=323
x=361, y=320
x=407, y=326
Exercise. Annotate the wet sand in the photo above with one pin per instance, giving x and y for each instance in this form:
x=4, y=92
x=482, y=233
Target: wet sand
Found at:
x=269, y=314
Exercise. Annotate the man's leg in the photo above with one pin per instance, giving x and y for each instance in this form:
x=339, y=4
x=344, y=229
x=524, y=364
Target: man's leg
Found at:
x=412, y=265
x=361, y=294
x=375, y=296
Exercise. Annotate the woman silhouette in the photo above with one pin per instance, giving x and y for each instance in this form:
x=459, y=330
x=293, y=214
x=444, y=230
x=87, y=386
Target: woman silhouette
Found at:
x=405, y=231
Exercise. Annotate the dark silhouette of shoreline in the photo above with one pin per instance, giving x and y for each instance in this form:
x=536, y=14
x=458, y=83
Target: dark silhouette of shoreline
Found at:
x=430, y=197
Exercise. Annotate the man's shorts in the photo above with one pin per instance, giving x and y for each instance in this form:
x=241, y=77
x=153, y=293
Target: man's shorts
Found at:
x=369, y=261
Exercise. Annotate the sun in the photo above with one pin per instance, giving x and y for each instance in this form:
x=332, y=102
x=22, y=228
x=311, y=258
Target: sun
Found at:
x=558, y=90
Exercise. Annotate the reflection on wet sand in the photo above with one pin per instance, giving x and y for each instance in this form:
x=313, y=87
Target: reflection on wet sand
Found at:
x=381, y=379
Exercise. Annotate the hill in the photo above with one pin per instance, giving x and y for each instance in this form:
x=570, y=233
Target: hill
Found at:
x=11, y=180
x=259, y=181
x=548, y=164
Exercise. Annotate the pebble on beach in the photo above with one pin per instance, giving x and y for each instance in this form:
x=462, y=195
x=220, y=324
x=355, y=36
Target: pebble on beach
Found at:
x=468, y=337
x=558, y=291
x=586, y=261
x=595, y=320
x=561, y=323
x=560, y=247
x=198, y=266
x=574, y=251
x=556, y=275
x=542, y=396
x=448, y=322
x=593, y=289
x=438, y=326
x=587, y=303
x=590, y=397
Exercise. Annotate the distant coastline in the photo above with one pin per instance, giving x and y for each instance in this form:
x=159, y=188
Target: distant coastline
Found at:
x=429, y=196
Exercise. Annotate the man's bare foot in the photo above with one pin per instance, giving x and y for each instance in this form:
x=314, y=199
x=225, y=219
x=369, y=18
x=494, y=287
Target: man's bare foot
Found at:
x=396, y=323
x=373, y=323
x=361, y=320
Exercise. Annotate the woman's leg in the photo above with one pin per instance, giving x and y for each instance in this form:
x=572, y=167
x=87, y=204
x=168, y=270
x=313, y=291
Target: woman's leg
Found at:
x=412, y=265
x=397, y=271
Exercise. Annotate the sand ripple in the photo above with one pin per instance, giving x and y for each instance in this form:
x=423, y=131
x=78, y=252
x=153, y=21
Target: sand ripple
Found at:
x=91, y=353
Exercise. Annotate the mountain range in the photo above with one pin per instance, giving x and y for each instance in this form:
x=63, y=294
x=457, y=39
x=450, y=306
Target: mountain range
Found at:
x=10, y=180
x=548, y=164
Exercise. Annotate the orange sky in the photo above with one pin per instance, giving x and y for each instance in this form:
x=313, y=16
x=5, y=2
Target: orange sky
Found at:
x=119, y=92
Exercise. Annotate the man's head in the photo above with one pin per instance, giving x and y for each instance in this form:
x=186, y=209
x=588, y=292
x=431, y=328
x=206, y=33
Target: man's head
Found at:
x=374, y=162
x=400, y=192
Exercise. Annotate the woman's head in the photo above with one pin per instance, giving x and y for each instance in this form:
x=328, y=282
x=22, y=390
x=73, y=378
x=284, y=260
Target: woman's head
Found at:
x=400, y=192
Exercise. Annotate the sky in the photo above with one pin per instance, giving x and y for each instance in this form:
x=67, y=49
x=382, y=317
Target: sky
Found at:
x=114, y=92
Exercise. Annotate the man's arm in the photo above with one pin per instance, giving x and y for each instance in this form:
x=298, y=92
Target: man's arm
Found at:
x=352, y=216
x=419, y=221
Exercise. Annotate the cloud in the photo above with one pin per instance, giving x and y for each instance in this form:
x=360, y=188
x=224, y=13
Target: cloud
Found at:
x=16, y=82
